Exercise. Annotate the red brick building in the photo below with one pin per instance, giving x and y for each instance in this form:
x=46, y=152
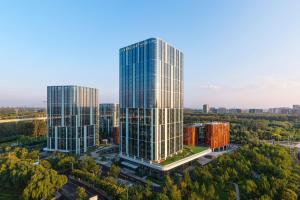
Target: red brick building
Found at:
x=217, y=135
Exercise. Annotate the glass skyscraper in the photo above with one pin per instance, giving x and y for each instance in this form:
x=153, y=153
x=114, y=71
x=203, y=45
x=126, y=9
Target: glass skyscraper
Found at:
x=109, y=118
x=151, y=100
x=72, y=113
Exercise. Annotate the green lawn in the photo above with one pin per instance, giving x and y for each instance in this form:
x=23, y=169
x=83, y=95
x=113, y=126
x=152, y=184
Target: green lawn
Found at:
x=187, y=151
x=8, y=194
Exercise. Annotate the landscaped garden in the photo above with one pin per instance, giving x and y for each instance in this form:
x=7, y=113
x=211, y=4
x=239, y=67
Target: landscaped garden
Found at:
x=186, y=151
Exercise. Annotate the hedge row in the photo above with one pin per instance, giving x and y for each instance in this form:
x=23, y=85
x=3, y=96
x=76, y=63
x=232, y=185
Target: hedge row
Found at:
x=117, y=192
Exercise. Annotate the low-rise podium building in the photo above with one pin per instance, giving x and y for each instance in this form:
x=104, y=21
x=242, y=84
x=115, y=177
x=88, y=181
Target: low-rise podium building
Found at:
x=214, y=135
x=217, y=135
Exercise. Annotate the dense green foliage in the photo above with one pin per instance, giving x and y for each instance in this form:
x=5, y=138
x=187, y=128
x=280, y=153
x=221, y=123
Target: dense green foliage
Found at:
x=261, y=171
x=19, y=172
x=114, y=171
x=29, y=134
x=245, y=127
x=13, y=113
x=81, y=194
x=29, y=128
x=87, y=170
x=11, y=131
x=112, y=189
x=65, y=163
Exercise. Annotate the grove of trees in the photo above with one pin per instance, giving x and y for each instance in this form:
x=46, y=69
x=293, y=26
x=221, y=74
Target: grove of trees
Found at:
x=245, y=126
x=261, y=171
x=33, y=128
x=20, y=172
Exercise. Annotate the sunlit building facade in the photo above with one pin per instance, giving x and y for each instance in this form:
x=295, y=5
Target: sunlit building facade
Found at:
x=151, y=100
x=73, y=119
x=205, y=108
x=217, y=135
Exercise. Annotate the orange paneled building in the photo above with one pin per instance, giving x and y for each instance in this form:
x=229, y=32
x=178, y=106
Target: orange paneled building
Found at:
x=190, y=135
x=217, y=134
x=116, y=135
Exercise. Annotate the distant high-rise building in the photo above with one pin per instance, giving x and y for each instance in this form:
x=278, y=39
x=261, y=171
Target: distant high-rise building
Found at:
x=72, y=113
x=235, y=110
x=213, y=110
x=256, y=111
x=222, y=110
x=281, y=110
x=109, y=119
x=151, y=101
x=296, y=107
x=205, y=108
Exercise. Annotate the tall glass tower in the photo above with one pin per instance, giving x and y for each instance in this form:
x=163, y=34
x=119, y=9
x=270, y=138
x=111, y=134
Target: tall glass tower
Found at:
x=151, y=100
x=73, y=119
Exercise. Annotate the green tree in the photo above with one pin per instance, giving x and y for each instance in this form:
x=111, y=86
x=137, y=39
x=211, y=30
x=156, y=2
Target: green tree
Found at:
x=46, y=164
x=172, y=190
x=81, y=193
x=162, y=196
x=43, y=184
x=114, y=171
x=89, y=164
x=65, y=163
x=39, y=127
x=288, y=194
x=147, y=190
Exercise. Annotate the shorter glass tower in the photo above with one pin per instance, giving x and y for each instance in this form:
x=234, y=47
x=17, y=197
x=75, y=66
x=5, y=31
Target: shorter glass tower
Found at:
x=73, y=119
x=109, y=119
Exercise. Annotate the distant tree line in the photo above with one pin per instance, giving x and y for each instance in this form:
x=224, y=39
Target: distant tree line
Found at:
x=33, y=128
x=245, y=127
x=13, y=113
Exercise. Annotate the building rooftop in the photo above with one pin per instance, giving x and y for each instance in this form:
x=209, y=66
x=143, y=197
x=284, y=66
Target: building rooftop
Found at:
x=71, y=86
x=186, y=151
x=145, y=41
x=188, y=154
x=193, y=125
x=215, y=123
x=202, y=124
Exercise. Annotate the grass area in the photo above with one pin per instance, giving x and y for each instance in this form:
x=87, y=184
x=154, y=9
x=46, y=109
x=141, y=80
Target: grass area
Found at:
x=8, y=194
x=187, y=151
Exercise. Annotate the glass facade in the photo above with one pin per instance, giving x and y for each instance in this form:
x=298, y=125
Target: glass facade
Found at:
x=151, y=100
x=72, y=114
x=109, y=119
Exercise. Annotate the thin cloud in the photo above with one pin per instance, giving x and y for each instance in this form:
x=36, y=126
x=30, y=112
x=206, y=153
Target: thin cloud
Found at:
x=209, y=86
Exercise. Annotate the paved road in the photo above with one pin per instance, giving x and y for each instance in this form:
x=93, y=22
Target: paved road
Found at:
x=101, y=194
x=237, y=190
x=204, y=160
x=19, y=120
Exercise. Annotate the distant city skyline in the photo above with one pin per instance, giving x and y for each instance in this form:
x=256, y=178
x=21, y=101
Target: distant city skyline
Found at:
x=238, y=54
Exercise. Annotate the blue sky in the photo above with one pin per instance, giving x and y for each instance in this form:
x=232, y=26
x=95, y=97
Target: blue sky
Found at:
x=237, y=53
